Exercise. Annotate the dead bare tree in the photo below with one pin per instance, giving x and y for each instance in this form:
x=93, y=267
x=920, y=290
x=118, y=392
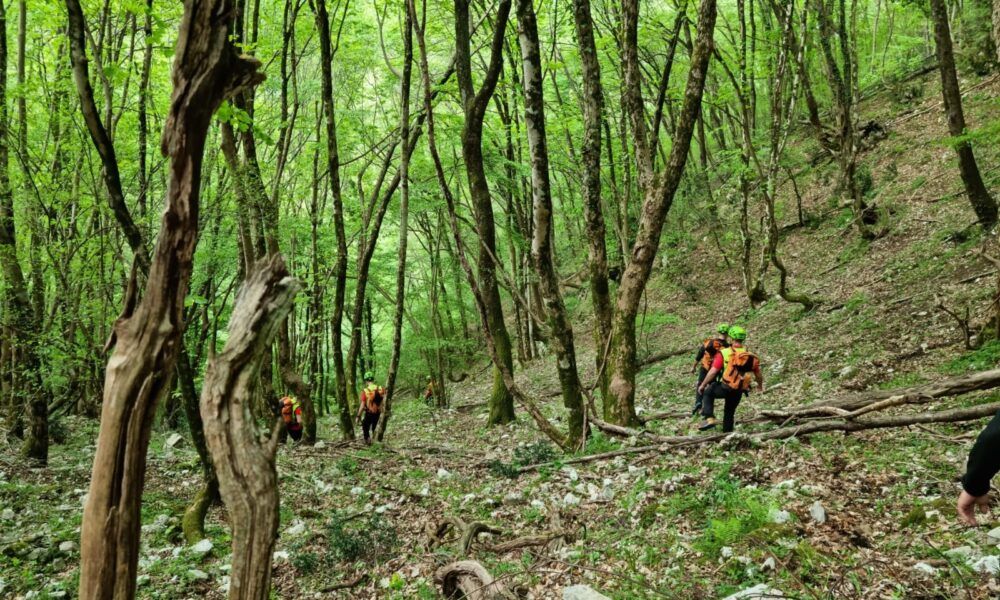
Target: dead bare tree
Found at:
x=245, y=466
x=206, y=70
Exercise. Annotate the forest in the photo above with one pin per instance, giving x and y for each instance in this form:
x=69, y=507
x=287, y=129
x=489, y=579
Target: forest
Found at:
x=498, y=299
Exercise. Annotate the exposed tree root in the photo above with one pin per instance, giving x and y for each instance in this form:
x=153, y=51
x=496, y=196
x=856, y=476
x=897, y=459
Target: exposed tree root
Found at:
x=469, y=579
x=468, y=532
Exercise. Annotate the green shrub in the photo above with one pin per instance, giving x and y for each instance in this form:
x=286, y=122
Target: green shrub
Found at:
x=986, y=357
x=371, y=538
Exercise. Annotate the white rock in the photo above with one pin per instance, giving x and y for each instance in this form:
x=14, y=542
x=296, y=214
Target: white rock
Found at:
x=817, y=512
x=280, y=556
x=297, y=529
x=848, y=372
x=780, y=517
x=425, y=491
x=197, y=575
x=987, y=565
x=357, y=491
x=513, y=498
x=202, y=547
x=58, y=595
x=571, y=473
x=571, y=500
x=537, y=504
x=381, y=510
x=726, y=552
x=226, y=582
x=994, y=535
x=468, y=498
x=924, y=568
x=769, y=564
x=582, y=592
x=788, y=483
x=959, y=552
x=140, y=581
x=761, y=591
x=319, y=445
x=7, y=515
x=67, y=547
x=174, y=440
x=443, y=473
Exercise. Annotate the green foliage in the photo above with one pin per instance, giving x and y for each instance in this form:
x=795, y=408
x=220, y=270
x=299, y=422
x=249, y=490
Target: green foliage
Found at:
x=986, y=357
x=528, y=454
x=370, y=537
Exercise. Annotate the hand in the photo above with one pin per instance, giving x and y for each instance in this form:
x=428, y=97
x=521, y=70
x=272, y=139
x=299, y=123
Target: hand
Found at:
x=701, y=389
x=967, y=504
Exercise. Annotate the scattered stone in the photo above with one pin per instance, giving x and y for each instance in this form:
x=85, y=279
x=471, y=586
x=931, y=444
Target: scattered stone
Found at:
x=140, y=581
x=726, y=552
x=817, y=512
x=769, y=564
x=780, y=517
x=174, y=440
x=224, y=586
x=994, y=535
x=513, y=498
x=571, y=473
x=197, y=575
x=761, y=591
x=297, y=529
x=848, y=372
x=582, y=592
x=571, y=500
x=425, y=491
x=925, y=568
x=58, y=595
x=67, y=547
x=202, y=547
x=357, y=491
x=280, y=556
x=987, y=565
x=788, y=483
x=443, y=473
x=537, y=504
x=319, y=445
x=7, y=515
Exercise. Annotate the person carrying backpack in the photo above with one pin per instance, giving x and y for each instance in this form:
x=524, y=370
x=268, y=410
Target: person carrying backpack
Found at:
x=370, y=406
x=703, y=360
x=737, y=367
x=291, y=414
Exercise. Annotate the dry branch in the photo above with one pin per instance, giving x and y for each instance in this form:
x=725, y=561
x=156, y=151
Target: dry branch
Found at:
x=954, y=386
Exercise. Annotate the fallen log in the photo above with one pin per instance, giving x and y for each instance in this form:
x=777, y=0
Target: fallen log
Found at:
x=984, y=380
x=469, y=579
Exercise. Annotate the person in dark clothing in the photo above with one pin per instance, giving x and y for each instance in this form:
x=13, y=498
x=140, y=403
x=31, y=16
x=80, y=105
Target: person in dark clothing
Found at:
x=984, y=463
x=370, y=406
x=703, y=360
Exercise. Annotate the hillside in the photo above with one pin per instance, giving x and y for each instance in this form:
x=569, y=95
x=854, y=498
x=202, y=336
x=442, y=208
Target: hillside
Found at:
x=865, y=515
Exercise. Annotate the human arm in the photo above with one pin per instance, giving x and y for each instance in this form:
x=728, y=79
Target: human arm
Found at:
x=712, y=373
x=983, y=464
x=698, y=357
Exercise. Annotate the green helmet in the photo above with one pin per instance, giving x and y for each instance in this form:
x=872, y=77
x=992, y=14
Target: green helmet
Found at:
x=722, y=328
x=737, y=333
x=369, y=376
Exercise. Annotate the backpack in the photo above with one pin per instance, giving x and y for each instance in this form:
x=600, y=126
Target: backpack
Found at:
x=373, y=396
x=289, y=408
x=711, y=346
x=739, y=369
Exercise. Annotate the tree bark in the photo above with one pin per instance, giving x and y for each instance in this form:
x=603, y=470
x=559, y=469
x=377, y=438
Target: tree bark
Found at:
x=19, y=324
x=597, y=253
x=541, y=242
x=982, y=202
x=474, y=105
x=404, y=213
x=248, y=479
x=658, y=192
x=327, y=51
x=206, y=70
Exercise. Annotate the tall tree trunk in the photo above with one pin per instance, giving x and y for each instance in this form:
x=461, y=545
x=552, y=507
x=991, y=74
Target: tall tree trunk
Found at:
x=327, y=51
x=597, y=253
x=19, y=324
x=474, y=105
x=207, y=69
x=982, y=202
x=248, y=478
x=193, y=523
x=404, y=214
x=541, y=242
x=147, y=64
x=658, y=191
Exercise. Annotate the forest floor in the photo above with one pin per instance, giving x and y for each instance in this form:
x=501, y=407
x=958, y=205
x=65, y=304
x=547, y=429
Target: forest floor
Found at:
x=865, y=515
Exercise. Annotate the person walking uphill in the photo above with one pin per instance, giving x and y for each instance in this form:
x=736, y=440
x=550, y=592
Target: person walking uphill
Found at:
x=984, y=463
x=370, y=406
x=737, y=365
x=703, y=360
